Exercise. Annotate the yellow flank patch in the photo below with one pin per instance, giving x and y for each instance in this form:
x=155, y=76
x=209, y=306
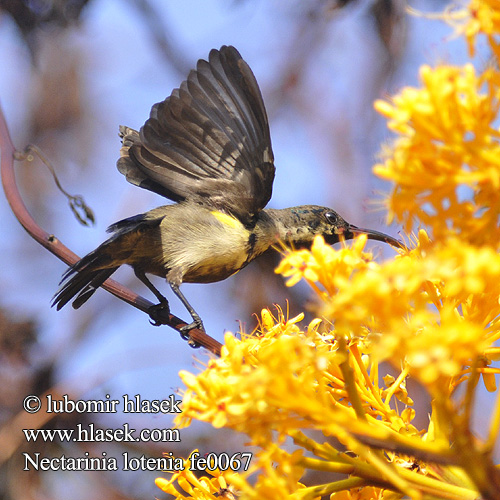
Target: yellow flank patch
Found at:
x=228, y=220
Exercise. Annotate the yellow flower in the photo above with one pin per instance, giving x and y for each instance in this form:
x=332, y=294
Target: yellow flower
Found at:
x=280, y=325
x=445, y=162
x=279, y=478
x=436, y=306
x=480, y=17
x=360, y=494
x=190, y=486
x=325, y=265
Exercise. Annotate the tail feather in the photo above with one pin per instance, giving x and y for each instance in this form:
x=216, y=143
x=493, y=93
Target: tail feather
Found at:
x=87, y=292
x=82, y=279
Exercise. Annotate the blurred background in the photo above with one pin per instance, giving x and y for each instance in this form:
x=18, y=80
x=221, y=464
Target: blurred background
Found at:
x=70, y=73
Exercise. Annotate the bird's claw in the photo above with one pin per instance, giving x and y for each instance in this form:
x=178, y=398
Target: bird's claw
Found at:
x=186, y=329
x=158, y=311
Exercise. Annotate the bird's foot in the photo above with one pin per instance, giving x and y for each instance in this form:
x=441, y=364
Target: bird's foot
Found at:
x=186, y=329
x=158, y=312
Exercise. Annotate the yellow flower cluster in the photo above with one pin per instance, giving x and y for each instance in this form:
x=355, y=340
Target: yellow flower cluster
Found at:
x=280, y=385
x=284, y=382
x=314, y=399
x=435, y=307
x=445, y=162
x=190, y=486
x=480, y=17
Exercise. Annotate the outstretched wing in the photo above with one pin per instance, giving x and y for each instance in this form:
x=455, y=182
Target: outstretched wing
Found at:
x=209, y=142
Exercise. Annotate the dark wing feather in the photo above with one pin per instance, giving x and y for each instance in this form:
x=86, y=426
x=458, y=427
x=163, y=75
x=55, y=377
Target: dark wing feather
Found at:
x=208, y=142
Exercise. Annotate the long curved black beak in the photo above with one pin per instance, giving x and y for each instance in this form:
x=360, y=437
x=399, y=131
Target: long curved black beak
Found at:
x=376, y=235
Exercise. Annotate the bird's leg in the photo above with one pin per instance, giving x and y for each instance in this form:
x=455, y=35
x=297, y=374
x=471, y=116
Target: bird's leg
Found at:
x=197, y=323
x=162, y=306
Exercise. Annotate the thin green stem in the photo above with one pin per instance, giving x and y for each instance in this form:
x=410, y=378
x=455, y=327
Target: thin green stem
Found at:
x=349, y=381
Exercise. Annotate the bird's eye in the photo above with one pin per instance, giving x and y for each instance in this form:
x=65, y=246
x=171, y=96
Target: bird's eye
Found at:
x=331, y=217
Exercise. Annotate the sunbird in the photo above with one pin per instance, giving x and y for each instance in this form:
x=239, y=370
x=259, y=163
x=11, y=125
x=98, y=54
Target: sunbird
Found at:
x=207, y=148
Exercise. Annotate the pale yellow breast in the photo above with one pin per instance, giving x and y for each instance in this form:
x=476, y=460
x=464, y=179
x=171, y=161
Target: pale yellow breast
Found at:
x=211, y=247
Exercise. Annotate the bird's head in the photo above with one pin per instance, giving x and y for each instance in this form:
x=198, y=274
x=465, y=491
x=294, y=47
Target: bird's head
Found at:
x=310, y=220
